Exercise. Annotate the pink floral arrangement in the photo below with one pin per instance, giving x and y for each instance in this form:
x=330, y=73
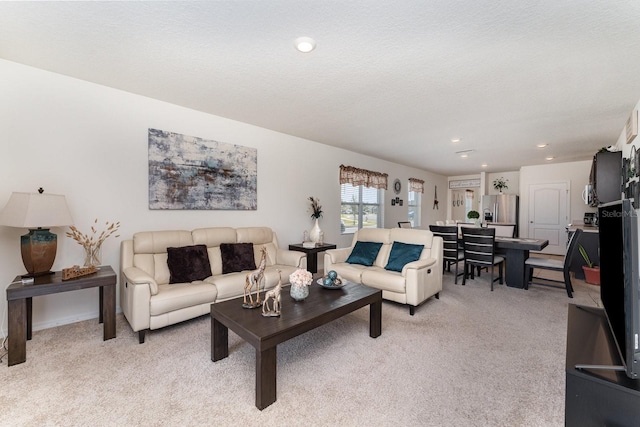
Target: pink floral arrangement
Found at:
x=300, y=277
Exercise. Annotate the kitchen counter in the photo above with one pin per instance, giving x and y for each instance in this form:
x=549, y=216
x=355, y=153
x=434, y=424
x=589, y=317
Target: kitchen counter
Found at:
x=583, y=227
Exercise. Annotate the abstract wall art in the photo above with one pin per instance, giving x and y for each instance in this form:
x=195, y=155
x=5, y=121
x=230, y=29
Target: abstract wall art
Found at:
x=186, y=172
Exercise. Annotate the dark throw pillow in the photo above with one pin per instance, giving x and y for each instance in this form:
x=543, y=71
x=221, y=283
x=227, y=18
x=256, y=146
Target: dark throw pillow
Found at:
x=188, y=263
x=237, y=257
x=364, y=253
x=401, y=254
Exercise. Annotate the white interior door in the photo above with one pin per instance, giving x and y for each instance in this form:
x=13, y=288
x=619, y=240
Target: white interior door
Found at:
x=549, y=215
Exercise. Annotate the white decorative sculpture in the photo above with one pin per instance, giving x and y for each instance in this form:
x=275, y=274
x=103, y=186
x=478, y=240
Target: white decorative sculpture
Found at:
x=254, y=278
x=275, y=295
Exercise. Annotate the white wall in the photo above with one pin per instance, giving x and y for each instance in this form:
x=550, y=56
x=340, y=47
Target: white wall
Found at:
x=621, y=143
x=512, y=178
x=626, y=151
x=89, y=142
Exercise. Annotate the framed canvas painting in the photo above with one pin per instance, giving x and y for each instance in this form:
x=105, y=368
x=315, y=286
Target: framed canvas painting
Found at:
x=186, y=172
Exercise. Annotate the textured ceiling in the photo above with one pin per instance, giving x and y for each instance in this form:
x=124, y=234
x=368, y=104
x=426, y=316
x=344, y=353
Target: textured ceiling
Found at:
x=392, y=79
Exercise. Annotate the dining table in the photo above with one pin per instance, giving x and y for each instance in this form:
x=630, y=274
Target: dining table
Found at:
x=516, y=251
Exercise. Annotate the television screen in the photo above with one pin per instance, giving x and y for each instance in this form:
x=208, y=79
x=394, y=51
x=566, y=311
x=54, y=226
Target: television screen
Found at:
x=618, y=235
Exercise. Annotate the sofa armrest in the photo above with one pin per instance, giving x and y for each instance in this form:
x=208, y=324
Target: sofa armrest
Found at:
x=336, y=256
x=421, y=263
x=292, y=258
x=423, y=278
x=135, y=297
x=136, y=276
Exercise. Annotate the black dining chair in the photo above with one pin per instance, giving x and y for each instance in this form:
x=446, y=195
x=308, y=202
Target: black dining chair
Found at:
x=554, y=264
x=479, y=252
x=503, y=230
x=451, y=252
x=404, y=224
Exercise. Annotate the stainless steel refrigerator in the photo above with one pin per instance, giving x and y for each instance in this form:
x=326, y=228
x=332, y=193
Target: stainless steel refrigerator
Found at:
x=500, y=208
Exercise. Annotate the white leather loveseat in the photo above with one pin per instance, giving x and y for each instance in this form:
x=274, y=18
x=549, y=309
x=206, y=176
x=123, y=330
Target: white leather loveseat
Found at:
x=148, y=299
x=416, y=282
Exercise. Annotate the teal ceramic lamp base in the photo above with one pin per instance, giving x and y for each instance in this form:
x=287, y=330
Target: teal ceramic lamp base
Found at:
x=38, y=249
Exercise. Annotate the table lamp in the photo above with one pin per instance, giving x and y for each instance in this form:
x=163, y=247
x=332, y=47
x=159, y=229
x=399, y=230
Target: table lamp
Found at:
x=38, y=212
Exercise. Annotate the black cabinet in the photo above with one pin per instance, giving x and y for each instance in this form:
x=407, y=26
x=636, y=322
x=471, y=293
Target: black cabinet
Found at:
x=596, y=397
x=606, y=177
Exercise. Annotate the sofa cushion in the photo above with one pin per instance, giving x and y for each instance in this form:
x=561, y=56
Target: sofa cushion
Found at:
x=181, y=295
x=386, y=280
x=213, y=236
x=350, y=272
x=237, y=257
x=229, y=285
x=153, y=242
x=364, y=253
x=401, y=254
x=414, y=236
x=188, y=263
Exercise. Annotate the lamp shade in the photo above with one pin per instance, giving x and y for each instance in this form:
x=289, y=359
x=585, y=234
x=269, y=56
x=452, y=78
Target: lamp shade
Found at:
x=33, y=210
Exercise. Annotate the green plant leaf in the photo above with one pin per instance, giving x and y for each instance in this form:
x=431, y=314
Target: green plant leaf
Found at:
x=584, y=254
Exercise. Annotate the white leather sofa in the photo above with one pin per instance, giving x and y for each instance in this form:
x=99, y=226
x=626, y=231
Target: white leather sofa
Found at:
x=150, y=302
x=418, y=280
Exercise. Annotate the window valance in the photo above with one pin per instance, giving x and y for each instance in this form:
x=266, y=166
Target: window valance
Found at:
x=356, y=176
x=416, y=185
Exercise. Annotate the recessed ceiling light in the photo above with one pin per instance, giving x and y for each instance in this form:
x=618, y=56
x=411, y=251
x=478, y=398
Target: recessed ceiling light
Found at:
x=305, y=44
x=464, y=155
x=541, y=145
x=455, y=140
x=484, y=165
x=549, y=158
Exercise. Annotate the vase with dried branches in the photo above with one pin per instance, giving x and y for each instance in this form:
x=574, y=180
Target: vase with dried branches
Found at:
x=316, y=212
x=92, y=242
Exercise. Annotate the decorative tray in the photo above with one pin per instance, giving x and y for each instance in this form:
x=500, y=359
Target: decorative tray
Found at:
x=319, y=282
x=76, y=271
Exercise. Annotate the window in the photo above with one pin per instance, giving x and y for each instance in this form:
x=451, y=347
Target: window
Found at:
x=360, y=207
x=416, y=188
x=361, y=198
x=468, y=202
x=414, y=208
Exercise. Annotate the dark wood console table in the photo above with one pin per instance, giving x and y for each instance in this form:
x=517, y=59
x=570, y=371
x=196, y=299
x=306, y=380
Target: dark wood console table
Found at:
x=312, y=253
x=596, y=397
x=19, y=300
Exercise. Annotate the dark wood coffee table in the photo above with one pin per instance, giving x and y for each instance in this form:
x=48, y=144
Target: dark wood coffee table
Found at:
x=265, y=333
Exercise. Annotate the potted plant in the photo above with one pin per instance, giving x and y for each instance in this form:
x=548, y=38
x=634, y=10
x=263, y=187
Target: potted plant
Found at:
x=591, y=272
x=500, y=184
x=474, y=215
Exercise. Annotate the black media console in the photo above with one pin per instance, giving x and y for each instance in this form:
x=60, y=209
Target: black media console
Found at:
x=596, y=397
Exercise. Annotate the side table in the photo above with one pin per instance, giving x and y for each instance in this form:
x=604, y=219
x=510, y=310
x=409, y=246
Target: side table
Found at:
x=312, y=253
x=19, y=300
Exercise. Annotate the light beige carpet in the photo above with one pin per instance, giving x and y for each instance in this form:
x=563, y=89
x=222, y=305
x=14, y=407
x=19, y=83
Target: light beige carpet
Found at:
x=471, y=358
